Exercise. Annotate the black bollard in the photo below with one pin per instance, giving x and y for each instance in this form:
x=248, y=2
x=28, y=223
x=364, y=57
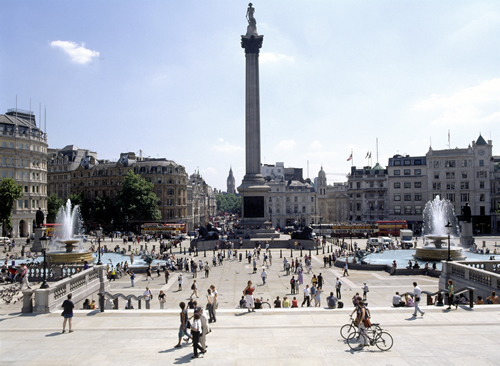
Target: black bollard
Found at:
x=240, y=256
x=101, y=302
x=317, y=250
x=291, y=253
x=184, y=251
x=204, y=252
x=281, y=254
x=301, y=252
x=309, y=252
x=323, y=250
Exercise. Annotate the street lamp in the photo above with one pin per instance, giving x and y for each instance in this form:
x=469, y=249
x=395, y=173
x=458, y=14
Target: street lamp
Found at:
x=448, y=231
x=98, y=233
x=44, y=244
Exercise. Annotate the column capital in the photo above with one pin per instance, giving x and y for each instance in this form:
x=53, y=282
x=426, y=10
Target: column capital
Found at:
x=251, y=44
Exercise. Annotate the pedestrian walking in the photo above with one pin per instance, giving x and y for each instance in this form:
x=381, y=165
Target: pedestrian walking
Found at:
x=207, y=269
x=307, y=299
x=248, y=292
x=365, y=290
x=24, y=277
x=194, y=287
x=418, y=293
x=338, y=286
x=67, y=313
x=183, y=328
x=147, y=297
x=264, y=276
x=211, y=306
x=196, y=333
x=346, y=268
x=167, y=275
x=162, y=299
x=450, y=293
x=292, y=285
x=132, y=278
x=179, y=280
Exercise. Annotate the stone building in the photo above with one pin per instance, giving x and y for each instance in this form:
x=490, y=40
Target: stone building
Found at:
x=23, y=157
x=368, y=197
x=333, y=200
x=204, y=203
x=61, y=164
x=464, y=176
x=495, y=195
x=407, y=189
x=104, y=178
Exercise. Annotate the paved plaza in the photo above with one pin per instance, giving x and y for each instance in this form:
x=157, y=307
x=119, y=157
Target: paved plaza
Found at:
x=267, y=337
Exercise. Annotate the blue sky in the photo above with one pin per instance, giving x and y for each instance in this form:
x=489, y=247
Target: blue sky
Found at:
x=167, y=77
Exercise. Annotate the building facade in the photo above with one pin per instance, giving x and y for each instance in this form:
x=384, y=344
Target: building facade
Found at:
x=61, y=164
x=464, y=176
x=24, y=158
x=407, y=189
x=204, y=202
x=333, y=200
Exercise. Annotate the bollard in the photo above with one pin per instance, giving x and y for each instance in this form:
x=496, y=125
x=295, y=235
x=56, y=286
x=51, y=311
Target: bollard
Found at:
x=301, y=252
x=139, y=304
x=281, y=254
x=154, y=247
x=184, y=251
x=101, y=302
x=129, y=306
x=241, y=257
x=130, y=248
x=317, y=250
x=142, y=248
x=291, y=253
x=170, y=250
x=484, y=243
x=204, y=252
x=115, y=304
x=309, y=252
x=323, y=250
x=471, y=297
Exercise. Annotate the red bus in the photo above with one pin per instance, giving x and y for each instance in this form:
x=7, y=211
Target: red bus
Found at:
x=386, y=228
x=165, y=229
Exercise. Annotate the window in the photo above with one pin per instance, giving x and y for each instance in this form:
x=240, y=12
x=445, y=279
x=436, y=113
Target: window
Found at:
x=417, y=162
x=436, y=175
x=397, y=172
x=407, y=171
x=397, y=197
x=464, y=175
x=436, y=164
x=407, y=185
x=418, y=171
x=450, y=175
x=449, y=164
x=397, y=210
x=464, y=163
x=482, y=174
x=407, y=197
x=482, y=197
x=397, y=185
x=450, y=186
x=358, y=206
x=397, y=162
x=464, y=197
x=418, y=184
x=358, y=184
x=372, y=184
x=407, y=210
x=418, y=210
x=481, y=185
x=481, y=162
x=436, y=185
x=358, y=194
x=450, y=197
x=464, y=185
x=407, y=162
x=418, y=196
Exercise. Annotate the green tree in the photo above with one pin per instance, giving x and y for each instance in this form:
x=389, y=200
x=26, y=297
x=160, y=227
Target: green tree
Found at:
x=137, y=199
x=84, y=204
x=53, y=205
x=10, y=192
x=104, y=210
x=229, y=203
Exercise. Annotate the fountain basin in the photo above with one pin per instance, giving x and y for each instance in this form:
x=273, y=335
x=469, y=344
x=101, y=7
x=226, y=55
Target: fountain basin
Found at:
x=72, y=257
x=437, y=254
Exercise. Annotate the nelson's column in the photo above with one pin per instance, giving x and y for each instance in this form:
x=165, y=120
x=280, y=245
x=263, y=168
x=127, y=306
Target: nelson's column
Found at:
x=253, y=187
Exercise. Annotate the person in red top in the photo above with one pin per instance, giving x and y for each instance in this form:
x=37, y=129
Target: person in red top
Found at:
x=24, y=277
x=248, y=292
x=295, y=304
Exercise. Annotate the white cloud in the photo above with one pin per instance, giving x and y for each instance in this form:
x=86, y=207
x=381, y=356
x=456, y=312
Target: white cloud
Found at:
x=78, y=54
x=316, y=145
x=274, y=57
x=226, y=147
x=209, y=171
x=286, y=145
x=477, y=104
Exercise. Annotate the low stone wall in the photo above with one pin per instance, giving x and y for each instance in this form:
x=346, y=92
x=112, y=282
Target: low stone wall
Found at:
x=388, y=269
x=250, y=244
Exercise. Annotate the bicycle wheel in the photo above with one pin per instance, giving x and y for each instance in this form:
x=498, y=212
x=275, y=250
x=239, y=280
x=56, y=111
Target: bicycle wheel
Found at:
x=266, y=305
x=383, y=341
x=353, y=341
x=346, y=330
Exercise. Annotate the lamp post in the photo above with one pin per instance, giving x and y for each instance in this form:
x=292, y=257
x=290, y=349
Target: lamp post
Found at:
x=98, y=233
x=448, y=231
x=43, y=242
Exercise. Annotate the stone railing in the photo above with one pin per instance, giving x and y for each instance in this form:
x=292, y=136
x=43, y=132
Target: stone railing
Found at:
x=482, y=275
x=54, y=272
x=81, y=285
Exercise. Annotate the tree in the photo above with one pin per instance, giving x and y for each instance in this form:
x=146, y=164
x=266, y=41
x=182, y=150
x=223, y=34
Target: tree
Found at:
x=137, y=199
x=53, y=205
x=10, y=192
x=229, y=203
x=78, y=199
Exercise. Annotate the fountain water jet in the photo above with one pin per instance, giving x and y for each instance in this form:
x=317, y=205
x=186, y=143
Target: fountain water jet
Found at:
x=69, y=219
x=437, y=214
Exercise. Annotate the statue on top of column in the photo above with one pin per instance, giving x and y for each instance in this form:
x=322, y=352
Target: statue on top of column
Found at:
x=252, y=23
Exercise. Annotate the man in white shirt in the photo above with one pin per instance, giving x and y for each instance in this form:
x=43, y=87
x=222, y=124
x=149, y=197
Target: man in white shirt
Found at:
x=264, y=276
x=418, y=294
x=307, y=299
x=338, y=286
x=147, y=297
x=397, y=302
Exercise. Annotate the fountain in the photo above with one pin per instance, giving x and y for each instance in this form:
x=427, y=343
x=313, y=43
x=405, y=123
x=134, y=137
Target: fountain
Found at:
x=437, y=214
x=64, y=248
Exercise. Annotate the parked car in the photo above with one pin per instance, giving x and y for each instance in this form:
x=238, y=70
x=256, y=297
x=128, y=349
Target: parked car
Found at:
x=5, y=240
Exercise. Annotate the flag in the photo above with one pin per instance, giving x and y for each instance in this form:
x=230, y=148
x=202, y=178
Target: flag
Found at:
x=350, y=157
x=370, y=156
x=367, y=155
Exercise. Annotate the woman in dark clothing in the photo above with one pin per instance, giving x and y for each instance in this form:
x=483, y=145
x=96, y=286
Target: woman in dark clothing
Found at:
x=68, y=306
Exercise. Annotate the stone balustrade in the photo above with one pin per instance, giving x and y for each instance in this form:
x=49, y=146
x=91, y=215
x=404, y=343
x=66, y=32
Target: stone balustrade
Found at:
x=80, y=284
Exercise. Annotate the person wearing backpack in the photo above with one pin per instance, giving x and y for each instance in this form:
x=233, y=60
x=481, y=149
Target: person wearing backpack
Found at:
x=292, y=285
x=365, y=290
x=195, y=289
x=338, y=286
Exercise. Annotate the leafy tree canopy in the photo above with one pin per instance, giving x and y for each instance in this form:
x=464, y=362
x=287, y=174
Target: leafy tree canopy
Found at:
x=229, y=203
x=53, y=205
x=137, y=199
x=10, y=192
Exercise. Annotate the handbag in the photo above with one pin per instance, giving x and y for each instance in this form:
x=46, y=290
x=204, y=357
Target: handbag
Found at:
x=188, y=325
x=367, y=323
x=62, y=314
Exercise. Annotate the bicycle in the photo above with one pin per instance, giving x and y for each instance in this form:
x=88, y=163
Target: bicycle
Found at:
x=347, y=329
x=381, y=339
